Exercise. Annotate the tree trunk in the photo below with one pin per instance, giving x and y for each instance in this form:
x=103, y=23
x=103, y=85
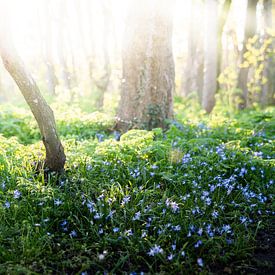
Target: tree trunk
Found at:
x=210, y=55
x=192, y=77
x=267, y=88
x=148, y=66
x=55, y=157
x=103, y=82
x=45, y=27
x=66, y=75
x=250, y=31
x=222, y=21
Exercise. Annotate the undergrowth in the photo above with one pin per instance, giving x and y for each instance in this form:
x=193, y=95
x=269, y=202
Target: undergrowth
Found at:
x=183, y=200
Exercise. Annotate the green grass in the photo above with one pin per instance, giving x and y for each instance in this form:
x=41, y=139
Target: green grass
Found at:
x=155, y=201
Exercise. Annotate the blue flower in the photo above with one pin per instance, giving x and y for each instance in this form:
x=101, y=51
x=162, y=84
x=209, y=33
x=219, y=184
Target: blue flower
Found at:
x=7, y=204
x=198, y=244
x=73, y=233
x=156, y=249
x=200, y=262
x=16, y=194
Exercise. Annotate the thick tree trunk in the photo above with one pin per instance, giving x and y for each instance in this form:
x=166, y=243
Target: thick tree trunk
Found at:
x=148, y=66
x=55, y=157
x=210, y=55
x=250, y=31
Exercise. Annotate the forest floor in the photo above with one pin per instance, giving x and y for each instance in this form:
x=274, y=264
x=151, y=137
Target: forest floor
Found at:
x=197, y=197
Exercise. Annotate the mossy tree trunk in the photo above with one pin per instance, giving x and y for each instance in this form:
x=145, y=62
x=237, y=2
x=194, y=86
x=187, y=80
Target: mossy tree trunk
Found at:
x=55, y=157
x=148, y=66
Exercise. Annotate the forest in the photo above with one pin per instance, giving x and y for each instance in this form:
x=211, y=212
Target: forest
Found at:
x=137, y=137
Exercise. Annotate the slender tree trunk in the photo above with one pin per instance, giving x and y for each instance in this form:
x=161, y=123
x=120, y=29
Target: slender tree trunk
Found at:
x=187, y=76
x=2, y=95
x=210, y=55
x=267, y=88
x=51, y=76
x=91, y=51
x=222, y=21
x=55, y=157
x=103, y=82
x=250, y=31
x=148, y=66
x=61, y=46
x=192, y=77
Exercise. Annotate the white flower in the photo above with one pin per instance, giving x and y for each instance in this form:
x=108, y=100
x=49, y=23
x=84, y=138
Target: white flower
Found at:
x=102, y=255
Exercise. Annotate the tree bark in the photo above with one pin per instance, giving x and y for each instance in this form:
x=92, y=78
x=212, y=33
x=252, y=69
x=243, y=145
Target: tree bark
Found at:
x=250, y=31
x=55, y=157
x=148, y=66
x=210, y=55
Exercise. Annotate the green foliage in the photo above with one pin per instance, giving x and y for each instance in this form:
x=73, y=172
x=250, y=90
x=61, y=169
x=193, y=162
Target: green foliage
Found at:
x=259, y=51
x=154, y=201
x=260, y=54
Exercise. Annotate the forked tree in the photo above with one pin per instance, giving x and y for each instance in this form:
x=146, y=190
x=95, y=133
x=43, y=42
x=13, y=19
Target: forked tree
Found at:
x=148, y=66
x=55, y=157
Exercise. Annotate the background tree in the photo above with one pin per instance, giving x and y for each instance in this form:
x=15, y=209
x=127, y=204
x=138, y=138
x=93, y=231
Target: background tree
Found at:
x=222, y=18
x=192, y=77
x=61, y=47
x=51, y=77
x=55, y=157
x=268, y=87
x=210, y=55
x=148, y=66
x=250, y=31
x=103, y=82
